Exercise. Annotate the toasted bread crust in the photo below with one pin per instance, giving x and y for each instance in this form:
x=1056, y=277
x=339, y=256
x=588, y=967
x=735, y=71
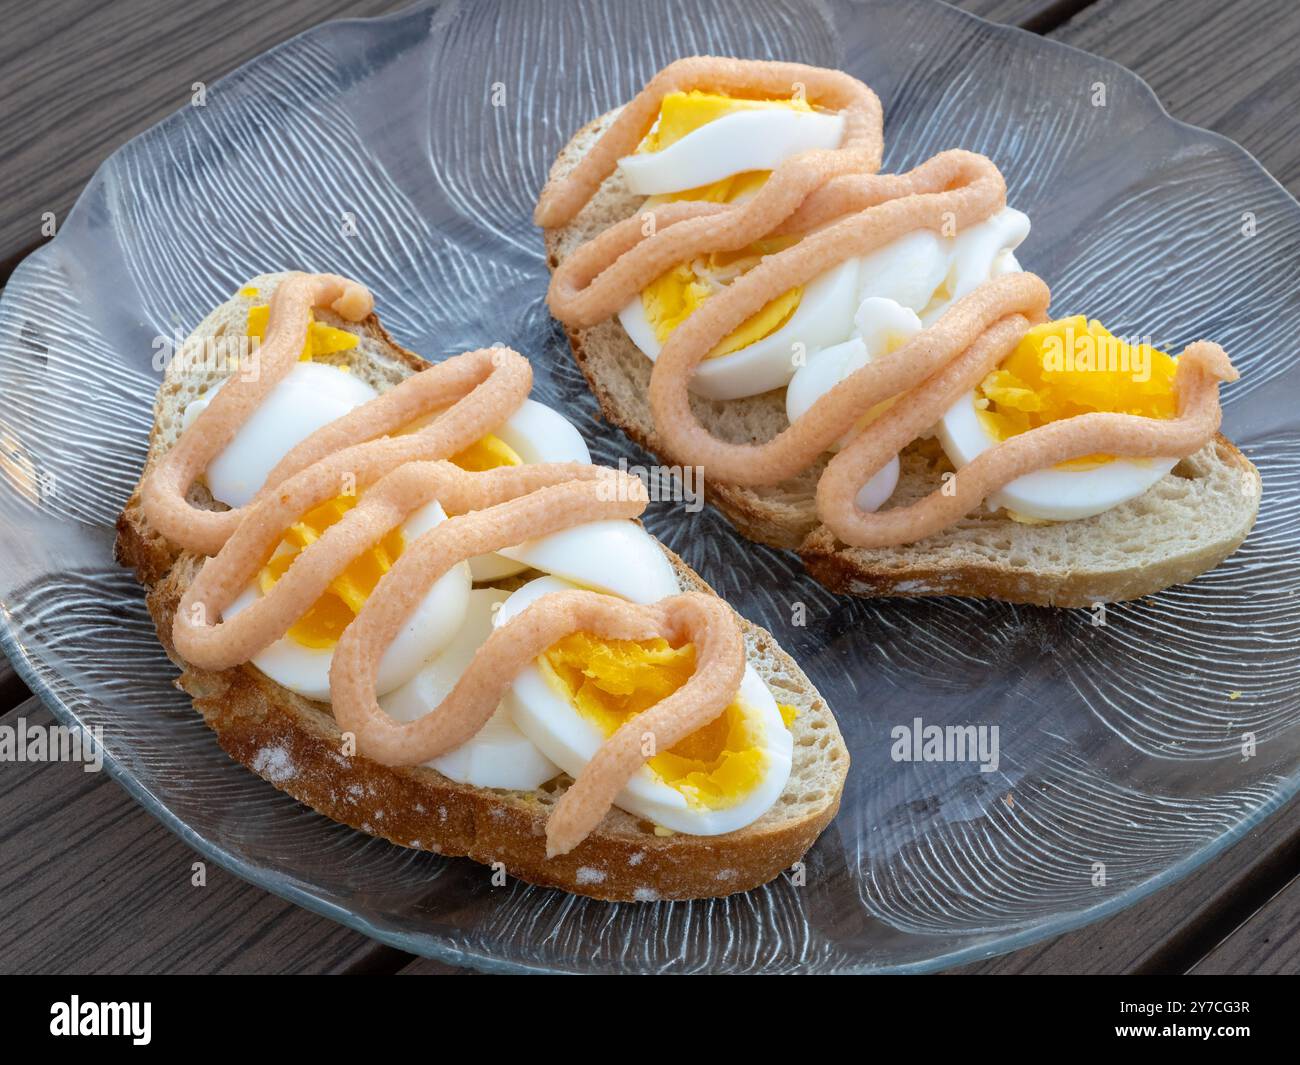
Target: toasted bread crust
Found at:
x=295, y=745
x=786, y=517
x=743, y=508
x=836, y=566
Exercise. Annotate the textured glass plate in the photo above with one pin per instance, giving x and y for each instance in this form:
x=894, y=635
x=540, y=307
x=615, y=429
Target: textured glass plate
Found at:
x=373, y=148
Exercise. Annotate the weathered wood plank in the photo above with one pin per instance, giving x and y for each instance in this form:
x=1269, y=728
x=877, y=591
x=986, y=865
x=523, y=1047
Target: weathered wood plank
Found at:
x=1207, y=72
x=80, y=79
x=1040, y=16
x=129, y=60
x=429, y=967
x=1171, y=929
x=12, y=690
x=1267, y=944
x=1213, y=65
x=131, y=65
x=1228, y=67
x=92, y=883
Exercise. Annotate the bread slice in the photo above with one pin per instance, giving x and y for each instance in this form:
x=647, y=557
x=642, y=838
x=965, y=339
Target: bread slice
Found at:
x=1187, y=523
x=294, y=742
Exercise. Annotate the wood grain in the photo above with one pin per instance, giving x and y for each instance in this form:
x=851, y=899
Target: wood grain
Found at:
x=1170, y=930
x=1230, y=67
x=76, y=83
x=93, y=884
x=1038, y=16
x=12, y=690
x=429, y=967
x=112, y=893
x=77, y=80
x=1267, y=944
x=80, y=79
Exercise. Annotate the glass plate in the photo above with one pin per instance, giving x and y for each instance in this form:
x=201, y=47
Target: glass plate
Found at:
x=377, y=149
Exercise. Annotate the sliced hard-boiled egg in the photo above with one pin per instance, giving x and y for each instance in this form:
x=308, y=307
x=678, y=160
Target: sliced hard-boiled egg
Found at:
x=300, y=660
x=735, y=189
x=574, y=696
x=537, y=433
x=926, y=271
x=613, y=556
x=1060, y=369
x=534, y=433
x=321, y=339
x=499, y=755
x=674, y=296
x=700, y=138
x=881, y=327
x=313, y=394
x=760, y=354
x=923, y=271
x=310, y=395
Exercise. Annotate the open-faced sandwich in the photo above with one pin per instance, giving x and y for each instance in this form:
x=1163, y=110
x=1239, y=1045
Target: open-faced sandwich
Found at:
x=857, y=361
x=402, y=594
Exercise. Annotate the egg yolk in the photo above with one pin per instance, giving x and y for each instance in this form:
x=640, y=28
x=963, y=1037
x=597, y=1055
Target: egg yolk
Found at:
x=724, y=190
x=487, y=454
x=321, y=339
x=681, y=113
x=1074, y=366
x=334, y=611
x=610, y=681
x=673, y=297
x=323, y=624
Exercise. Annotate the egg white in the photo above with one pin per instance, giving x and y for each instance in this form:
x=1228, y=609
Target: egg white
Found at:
x=309, y=396
x=912, y=270
x=434, y=621
x=569, y=740
x=982, y=252
x=824, y=316
x=877, y=324
x=536, y=433
x=902, y=288
x=734, y=143
x=314, y=394
x=1052, y=494
x=922, y=271
x=613, y=556
x=499, y=755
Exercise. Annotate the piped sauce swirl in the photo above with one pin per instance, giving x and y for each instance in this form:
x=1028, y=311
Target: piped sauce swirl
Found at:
x=841, y=209
x=396, y=475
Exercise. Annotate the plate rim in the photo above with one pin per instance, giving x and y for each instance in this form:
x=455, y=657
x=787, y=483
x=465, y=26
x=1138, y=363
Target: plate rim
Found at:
x=286, y=885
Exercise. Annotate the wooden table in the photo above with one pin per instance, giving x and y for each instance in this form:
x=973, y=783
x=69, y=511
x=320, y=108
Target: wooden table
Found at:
x=91, y=883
